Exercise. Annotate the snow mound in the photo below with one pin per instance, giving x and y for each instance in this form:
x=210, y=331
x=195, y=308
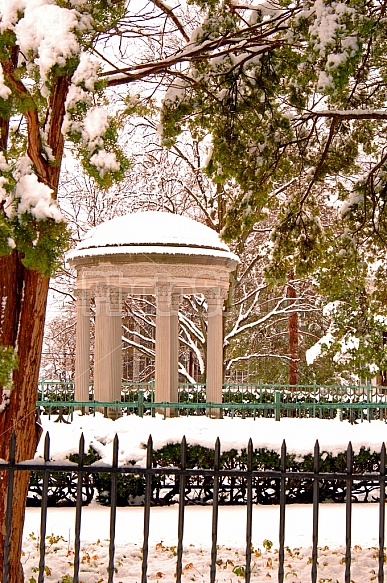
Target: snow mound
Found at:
x=152, y=228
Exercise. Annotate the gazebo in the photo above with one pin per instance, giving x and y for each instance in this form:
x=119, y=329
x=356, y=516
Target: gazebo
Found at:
x=148, y=253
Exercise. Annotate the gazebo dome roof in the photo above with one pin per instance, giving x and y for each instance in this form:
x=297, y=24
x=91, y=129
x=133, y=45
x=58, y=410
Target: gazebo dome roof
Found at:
x=151, y=232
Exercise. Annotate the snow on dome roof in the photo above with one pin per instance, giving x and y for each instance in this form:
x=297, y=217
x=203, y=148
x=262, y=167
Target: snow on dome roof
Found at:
x=152, y=228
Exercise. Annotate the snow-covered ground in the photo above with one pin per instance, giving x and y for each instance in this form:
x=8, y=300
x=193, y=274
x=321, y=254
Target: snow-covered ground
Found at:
x=300, y=436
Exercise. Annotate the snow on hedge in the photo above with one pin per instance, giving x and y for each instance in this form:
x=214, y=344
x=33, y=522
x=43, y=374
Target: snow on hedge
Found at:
x=133, y=432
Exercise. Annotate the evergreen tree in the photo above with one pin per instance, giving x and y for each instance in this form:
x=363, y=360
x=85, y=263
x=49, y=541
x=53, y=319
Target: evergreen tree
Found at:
x=50, y=90
x=294, y=101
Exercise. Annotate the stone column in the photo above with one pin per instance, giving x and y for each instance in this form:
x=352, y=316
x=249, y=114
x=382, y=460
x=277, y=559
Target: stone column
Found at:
x=175, y=302
x=163, y=344
x=107, y=356
x=82, y=346
x=214, y=366
x=166, y=361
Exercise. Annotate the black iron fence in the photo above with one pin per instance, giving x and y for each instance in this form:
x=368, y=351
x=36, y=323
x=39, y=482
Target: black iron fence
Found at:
x=218, y=480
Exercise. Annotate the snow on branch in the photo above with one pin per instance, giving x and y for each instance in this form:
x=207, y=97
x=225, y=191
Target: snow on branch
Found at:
x=147, y=319
x=283, y=306
x=189, y=342
x=251, y=38
x=140, y=347
x=191, y=328
x=138, y=334
x=256, y=355
x=347, y=114
x=183, y=371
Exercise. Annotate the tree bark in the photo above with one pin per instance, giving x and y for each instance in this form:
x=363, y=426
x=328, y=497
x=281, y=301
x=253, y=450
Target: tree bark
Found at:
x=293, y=332
x=23, y=314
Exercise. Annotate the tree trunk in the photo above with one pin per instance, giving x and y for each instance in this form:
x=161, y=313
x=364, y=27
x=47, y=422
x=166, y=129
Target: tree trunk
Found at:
x=22, y=313
x=23, y=310
x=293, y=332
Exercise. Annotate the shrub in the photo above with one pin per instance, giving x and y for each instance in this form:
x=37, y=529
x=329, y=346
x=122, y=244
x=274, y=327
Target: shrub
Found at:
x=233, y=489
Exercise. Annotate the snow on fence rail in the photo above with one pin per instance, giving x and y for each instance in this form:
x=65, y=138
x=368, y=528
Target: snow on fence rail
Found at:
x=181, y=475
x=258, y=391
x=352, y=402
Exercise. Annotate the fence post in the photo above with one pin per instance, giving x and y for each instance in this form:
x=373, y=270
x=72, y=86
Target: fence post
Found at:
x=152, y=388
x=215, y=512
x=370, y=413
x=78, y=510
x=8, y=517
x=147, y=505
x=382, y=512
x=140, y=403
x=113, y=510
x=43, y=512
x=348, y=513
x=282, y=500
x=277, y=403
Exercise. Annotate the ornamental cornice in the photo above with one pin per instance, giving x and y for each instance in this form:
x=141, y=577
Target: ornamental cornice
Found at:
x=83, y=295
x=216, y=294
x=149, y=276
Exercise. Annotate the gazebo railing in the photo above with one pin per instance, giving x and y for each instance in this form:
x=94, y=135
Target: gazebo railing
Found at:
x=352, y=402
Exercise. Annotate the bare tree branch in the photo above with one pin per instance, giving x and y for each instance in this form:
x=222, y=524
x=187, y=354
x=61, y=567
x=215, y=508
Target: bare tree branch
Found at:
x=169, y=12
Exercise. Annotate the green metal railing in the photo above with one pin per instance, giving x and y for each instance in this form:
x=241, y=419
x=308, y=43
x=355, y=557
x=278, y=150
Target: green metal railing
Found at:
x=352, y=402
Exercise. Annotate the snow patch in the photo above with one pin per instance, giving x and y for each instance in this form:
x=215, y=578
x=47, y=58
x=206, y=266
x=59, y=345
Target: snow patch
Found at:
x=31, y=196
x=4, y=166
x=5, y=395
x=47, y=31
x=10, y=13
x=5, y=91
x=95, y=124
x=355, y=199
x=314, y=351
x=3, y=192
x=105, y=161
x=86, y=72
x=152, y=228
x=35, y=198
x=234, y=433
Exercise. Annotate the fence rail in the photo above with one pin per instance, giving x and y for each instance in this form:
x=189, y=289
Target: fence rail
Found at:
x=181, y=475
x=355, y=402
x=259, y=391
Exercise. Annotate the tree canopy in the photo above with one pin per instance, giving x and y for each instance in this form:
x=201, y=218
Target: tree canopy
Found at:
x=293, y=97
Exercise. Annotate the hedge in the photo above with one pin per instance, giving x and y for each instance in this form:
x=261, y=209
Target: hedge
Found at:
x=199, y=490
